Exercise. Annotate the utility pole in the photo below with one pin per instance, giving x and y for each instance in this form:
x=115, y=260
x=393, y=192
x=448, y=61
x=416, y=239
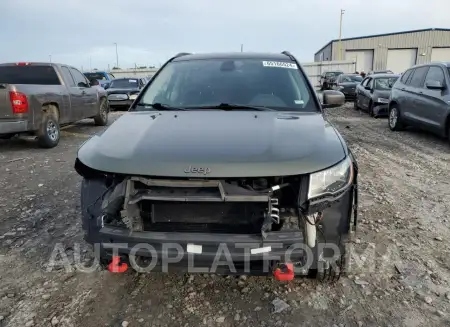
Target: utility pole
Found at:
x=50, y=56
x=242, y=48
x=117, y=56
x=340, y=35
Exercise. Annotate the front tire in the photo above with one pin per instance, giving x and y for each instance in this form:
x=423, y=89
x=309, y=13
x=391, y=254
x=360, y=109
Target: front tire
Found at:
x=49, y=133
x=394, y=120
x=102, y=118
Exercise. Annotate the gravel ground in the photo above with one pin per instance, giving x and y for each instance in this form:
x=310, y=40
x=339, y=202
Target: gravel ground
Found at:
x=400, y=259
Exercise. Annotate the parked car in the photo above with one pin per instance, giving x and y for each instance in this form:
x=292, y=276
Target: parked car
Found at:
x=38, y=98
x=373, y=94
x=380, y=72
x=104, y=78
x=123, y=91
x=210, y=154
x=328, y=78
x=346, y=83
x=421, y=98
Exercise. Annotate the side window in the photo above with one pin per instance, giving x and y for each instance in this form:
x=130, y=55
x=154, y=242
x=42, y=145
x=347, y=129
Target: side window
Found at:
x=405, y=76
x=67, y=77
x=417, y=79
x=370, y=83
x=435, y=74
x=365, y=81
x=110, y=77
x=78, y=77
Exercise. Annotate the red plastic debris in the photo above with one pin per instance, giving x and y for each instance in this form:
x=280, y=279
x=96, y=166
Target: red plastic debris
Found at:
x=286, y=272
x=116, y=267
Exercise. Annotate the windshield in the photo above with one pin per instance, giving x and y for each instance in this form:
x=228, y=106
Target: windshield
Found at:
x=211, y=82
x=124, y=84
x=98, y=76
x=350, y=78
x=385, y=83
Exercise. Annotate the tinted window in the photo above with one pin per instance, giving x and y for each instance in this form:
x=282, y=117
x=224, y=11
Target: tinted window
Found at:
x=40, y=75
x=385, y=83
x=435, y=74
x=365, y=81
x=67, y=77
x=210, y=82
x=98, y=76
x=418, y=76
x=78, y=77
x=370, y=83
x=350, y=78
x=124, y=84
x=405, y=76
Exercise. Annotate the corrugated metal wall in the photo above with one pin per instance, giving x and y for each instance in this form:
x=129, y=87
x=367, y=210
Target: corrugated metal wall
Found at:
x=315, y=69
x=423, y=41
x=325, y=54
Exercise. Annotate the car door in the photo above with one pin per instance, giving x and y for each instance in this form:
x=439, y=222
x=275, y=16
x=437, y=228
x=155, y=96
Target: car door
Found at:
x=414, y=97
x=360, y=91
x=75, y=93
x=88, y=93
x=367, y=93
x=435, y=108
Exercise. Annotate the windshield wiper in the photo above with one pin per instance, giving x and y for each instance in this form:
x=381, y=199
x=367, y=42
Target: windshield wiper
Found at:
x=230, y=106
x=159, y=106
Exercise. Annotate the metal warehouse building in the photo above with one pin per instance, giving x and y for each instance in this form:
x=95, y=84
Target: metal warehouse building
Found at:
x=394, y=51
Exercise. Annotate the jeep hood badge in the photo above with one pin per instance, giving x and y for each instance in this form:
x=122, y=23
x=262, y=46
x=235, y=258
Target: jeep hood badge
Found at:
x=197, y=170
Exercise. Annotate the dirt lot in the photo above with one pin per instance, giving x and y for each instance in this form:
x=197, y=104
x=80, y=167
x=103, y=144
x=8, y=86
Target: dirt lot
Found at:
x=401, y=253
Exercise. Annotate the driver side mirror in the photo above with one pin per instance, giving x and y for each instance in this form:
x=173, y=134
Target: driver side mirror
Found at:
x=434, y=85
x=85, y=85
x=332, y=99
x=367, y=87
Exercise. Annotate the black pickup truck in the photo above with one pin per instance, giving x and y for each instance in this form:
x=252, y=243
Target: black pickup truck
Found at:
x=38, y=98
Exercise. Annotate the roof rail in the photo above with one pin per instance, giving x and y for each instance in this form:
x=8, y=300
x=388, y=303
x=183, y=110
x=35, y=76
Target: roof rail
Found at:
x=287, y=53
x=182, y=54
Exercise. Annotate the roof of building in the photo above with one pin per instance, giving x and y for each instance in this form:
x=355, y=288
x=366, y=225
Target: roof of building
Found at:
x=385, y=34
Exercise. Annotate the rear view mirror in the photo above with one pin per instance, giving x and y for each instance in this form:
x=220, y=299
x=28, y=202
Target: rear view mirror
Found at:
x=434, y=85
x=332, y=99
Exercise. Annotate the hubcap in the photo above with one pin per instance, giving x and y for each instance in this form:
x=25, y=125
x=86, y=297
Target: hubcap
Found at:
x=52, y=131
x=393, y=116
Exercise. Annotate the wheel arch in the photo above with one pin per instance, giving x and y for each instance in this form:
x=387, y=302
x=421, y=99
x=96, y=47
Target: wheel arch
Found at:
x=51, y=107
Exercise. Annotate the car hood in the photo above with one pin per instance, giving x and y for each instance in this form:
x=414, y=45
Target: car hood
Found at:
x=224, y=143
x=349, y=84
x=123, y=90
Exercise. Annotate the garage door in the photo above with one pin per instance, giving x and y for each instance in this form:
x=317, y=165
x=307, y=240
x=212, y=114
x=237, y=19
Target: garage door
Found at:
x=440, y=54
x=399, y=60
x=363, y=58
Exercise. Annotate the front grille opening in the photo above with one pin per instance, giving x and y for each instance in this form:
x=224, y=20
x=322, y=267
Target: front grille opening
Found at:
x=214, y=217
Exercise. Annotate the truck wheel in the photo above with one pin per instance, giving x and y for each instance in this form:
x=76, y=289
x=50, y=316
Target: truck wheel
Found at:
x=49, y=133
x=102, y=118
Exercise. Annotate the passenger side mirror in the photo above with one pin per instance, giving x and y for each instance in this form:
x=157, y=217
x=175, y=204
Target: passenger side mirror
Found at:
x=367, y=87
x=434, y=85
x=106, y=86
x=332, y=99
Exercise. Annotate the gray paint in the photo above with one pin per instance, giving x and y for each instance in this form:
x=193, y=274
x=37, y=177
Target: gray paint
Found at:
x=423, y=40
x=230, y=144
x=326, y=52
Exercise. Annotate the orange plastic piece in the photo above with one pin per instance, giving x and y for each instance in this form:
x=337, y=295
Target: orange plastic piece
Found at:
x=285, y=273
x=116, y=267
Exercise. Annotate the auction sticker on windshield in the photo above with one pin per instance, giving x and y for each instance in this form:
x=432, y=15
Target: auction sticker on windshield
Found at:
x=281, y=64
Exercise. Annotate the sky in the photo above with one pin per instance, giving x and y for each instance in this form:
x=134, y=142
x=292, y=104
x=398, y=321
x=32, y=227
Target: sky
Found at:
x=83, y=33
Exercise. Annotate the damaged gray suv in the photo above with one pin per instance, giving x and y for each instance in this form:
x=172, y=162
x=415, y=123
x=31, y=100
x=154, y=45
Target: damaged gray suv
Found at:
x=223, y=164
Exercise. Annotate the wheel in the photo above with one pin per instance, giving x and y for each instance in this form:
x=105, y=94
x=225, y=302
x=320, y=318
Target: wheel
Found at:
x=394, y=121
x=371, y=109
x=355, y=104
x=102, y=118
x=49, y=133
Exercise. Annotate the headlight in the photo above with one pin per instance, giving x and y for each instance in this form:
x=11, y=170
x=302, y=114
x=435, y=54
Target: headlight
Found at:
x=133, y=96
x=331, y=180
x=382, y=100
